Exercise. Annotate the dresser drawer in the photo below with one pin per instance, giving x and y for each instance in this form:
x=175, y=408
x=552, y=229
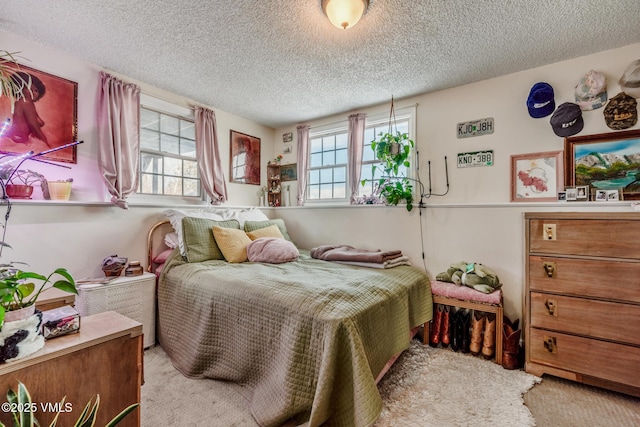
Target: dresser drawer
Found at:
x=619, y=280
x=592, y=318
x=614, y=362
x=614, y=238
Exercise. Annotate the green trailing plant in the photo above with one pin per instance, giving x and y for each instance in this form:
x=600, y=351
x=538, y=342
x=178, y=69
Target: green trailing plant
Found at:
x=23, y=409
x=394, y=151
x=11, y=84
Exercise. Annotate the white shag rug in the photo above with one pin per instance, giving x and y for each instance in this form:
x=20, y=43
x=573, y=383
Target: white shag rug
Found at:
x=426, y=387
x=438, y=387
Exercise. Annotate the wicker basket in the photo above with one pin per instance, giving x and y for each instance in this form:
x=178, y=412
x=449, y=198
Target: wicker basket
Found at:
x=113, y=269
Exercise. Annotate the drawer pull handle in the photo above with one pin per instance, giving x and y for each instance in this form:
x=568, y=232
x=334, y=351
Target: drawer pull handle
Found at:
x=550, y=344
x=549, y=268
x=552, y=306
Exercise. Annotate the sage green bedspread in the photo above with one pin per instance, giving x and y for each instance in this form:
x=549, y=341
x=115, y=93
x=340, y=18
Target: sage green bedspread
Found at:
x=305, y=338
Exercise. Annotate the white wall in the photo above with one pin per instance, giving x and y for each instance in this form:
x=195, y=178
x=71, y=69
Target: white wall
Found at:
x=78, y=234
x=475, y=221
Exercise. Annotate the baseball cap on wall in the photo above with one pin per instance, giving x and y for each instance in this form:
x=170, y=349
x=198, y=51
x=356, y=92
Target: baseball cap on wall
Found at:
x=630, y=80
x=591, y=91
x=621, y=112
x=540, y=101
x=567, y=120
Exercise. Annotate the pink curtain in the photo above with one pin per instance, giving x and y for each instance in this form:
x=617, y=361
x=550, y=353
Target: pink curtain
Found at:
x=207, y=154
x=303, y=153
x=355, y=144
x=119, y=137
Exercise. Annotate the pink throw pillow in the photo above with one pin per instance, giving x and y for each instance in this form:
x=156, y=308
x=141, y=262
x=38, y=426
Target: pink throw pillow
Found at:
x=272, y=250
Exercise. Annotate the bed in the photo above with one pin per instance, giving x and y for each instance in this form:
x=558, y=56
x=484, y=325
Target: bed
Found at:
x=306, y=339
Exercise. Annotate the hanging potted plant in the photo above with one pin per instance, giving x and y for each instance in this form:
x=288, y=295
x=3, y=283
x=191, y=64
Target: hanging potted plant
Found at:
x=11, y=84
x=394, y=150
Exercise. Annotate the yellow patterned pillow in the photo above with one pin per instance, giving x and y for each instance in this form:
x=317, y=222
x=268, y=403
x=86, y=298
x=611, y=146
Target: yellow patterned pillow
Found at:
x=271, y=231
x=232, y=243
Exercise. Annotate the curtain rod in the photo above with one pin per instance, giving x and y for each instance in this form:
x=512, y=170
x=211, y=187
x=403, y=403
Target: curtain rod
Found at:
x=342, y=121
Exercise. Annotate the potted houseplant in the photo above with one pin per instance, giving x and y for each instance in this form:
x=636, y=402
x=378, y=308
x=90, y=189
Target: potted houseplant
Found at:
x=19, y=184
x=21, y=408
x=11, y=84
x=394, y=151
x=19, y=292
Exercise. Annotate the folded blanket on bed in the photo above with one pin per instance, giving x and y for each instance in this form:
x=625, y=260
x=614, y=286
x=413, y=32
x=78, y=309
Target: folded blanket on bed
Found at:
x=349, y=253
x=401, y=260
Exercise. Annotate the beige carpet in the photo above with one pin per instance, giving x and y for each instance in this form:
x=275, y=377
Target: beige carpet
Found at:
x=415, y=393
x=426, y=387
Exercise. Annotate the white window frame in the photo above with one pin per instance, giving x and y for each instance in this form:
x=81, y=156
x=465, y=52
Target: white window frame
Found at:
x=401, y=114
x=182, y=112
x=320, y=132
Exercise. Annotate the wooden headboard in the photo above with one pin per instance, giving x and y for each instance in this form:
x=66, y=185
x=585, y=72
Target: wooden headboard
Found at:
x=155, y=242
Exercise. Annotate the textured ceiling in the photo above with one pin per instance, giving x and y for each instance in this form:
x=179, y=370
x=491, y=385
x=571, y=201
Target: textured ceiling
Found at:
x=281, y=62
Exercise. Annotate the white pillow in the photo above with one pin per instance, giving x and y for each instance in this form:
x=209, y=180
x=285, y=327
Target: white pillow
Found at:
x=171, y=240
x=250, y=214
x=175, y=218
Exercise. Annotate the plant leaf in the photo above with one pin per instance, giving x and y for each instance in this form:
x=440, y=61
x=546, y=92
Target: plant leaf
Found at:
x=26, y=289
x=65, y=286
x=122, y=414
x=24, y=399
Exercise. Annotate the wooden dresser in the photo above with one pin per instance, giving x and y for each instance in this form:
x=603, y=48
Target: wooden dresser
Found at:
x=582, y=298
x=104, y=358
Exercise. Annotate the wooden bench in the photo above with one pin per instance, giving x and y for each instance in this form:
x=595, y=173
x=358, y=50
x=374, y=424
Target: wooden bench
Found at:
x=445, y=293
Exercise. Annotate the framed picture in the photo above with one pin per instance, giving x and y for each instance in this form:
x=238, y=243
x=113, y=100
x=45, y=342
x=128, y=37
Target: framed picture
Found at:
x=562, y=196
x=572, y=194
x=289, y=172
x=613, y=195
x=45, y=118
x=582, y=192
x=244, y=159
x=287, y=137
x=601, y=195
x=605, y=161
x=536, y=177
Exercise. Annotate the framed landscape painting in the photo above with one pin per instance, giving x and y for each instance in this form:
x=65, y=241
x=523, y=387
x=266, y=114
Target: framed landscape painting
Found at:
x=289, y=172
x=45, y=117
x=536, y=177
x=606, y=161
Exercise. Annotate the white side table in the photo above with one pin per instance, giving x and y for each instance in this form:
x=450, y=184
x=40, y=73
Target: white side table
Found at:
x=131, y=296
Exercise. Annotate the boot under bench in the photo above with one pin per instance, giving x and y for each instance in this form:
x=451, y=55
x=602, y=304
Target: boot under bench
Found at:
x=452, y=295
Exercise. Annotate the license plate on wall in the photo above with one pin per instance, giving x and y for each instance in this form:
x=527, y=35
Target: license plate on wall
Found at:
x=477, y=158
x=475, y=128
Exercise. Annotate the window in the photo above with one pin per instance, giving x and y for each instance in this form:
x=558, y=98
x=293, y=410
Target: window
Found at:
x=167, y=151
x=327, y=163
x=371, y=133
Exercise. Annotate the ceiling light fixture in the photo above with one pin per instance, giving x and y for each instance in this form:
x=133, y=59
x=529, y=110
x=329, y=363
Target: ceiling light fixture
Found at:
x=344, y=13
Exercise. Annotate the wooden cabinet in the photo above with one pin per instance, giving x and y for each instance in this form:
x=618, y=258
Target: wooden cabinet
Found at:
x=582, y=298
x=274, y=185
x=105, y=357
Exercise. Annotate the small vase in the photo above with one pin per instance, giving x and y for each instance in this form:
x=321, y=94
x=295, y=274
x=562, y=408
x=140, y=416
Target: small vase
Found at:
x=59, y=190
